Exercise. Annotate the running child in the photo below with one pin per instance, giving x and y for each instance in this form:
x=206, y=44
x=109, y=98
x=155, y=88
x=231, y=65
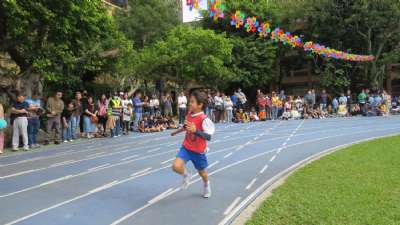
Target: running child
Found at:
x=199, y=129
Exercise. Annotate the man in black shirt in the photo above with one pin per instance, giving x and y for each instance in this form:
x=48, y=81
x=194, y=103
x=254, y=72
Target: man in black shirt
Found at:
x=19, y=115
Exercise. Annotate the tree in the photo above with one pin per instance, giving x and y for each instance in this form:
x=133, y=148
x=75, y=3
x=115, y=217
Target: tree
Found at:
x=64, y=40
x=147, y=21
x=369, y=27
x=188, y=54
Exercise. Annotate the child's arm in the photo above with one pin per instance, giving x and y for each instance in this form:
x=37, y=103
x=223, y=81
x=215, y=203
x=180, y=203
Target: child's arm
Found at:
x=208, y=129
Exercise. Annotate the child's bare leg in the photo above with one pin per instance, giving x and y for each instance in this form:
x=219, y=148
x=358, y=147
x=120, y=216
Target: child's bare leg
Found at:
x=204, y=175
x=178, y=166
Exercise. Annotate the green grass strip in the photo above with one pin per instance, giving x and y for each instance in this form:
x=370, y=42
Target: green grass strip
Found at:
x=359, y=185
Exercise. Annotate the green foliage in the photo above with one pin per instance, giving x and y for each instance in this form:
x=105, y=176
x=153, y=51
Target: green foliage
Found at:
x=359, y=26
x=253, y=61
x=64, y=41
x=147, y=21
x=335, y=78
x=188, y=54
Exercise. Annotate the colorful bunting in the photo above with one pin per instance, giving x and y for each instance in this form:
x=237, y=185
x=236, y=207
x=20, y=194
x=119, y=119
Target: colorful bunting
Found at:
x=251, y=24
x=237, y=19
x=217, y=9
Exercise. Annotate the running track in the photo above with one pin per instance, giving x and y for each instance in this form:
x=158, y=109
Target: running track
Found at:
x=129, y=181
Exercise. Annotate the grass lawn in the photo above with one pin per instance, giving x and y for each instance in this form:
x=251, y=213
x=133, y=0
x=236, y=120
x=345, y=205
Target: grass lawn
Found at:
x=359, y=185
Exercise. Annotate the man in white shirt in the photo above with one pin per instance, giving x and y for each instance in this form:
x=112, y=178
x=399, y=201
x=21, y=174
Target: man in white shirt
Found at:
x=182, y=104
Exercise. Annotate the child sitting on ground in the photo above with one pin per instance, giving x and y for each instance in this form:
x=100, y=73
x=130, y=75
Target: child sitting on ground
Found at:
x=242, y=117
x=253, y=115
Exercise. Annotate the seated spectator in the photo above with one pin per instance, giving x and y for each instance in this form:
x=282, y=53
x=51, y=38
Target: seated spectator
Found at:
x=171, y=123
x=355, y=109
x=242, y=117
x=144, y=126
x=342, y=110
x=253, y=115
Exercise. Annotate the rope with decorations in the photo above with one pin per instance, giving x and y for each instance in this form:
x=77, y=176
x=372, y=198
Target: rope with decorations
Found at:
x=254, y=25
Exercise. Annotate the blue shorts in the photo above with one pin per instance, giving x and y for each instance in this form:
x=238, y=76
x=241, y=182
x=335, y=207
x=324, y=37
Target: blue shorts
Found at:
x=199, y=160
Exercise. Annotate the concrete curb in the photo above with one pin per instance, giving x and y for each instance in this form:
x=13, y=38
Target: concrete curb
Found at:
x=242, y=217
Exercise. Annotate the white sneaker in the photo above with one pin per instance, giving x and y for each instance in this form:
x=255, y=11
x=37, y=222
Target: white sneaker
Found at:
x=26, y=148
x=65, y=141
x=207, y=190
x=186, y=180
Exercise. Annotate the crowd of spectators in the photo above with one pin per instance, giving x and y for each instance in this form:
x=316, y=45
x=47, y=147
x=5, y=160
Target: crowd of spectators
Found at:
x=112, y=116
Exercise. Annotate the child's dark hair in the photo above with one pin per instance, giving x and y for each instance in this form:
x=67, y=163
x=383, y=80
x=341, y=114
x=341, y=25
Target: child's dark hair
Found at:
x=201, y=98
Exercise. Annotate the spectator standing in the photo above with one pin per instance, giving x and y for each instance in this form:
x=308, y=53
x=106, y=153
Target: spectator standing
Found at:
x=342, y=99
x=210, y=107
x=362, y=100
x=218, y=103
x=54, y=107
x=146, y=106
x=282, y=96
x=127, y=118
x=102, y=106
x=234, y=100
x=114, y=115
x=308, y=100
x=313, y=98
x=323, y=100
x=268, y=107
x=275, y=106
x=182, y=105
x=2, y=118
x=138, y=104
x=242, y=99
x=76, y=117
x=229, y=109
x=19, y=117
x=335, y=105
x=167, y=102
x=66, y=119
x=124, y=103
x=35, y=111
x=89, y=117
x=261, y=103
x=154, y=106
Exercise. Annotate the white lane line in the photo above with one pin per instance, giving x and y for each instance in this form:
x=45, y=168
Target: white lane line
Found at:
x=272, y=158
x=279, y=150
x=264, y=169
x=141, y=171
x=62, y=163
x=102, y=188
x=228, y=218
x=18, y=174
x=86, y=172
x=168, y=160
x=95, y=154
x=154, y=150
x=129, y=157
x=55, y=181
x=232, y=205
x=227, y=155
x=212, y=164
x=251, y=184
x=284, y=143
x=98, y=167
x=212, y=173
x=160, y=196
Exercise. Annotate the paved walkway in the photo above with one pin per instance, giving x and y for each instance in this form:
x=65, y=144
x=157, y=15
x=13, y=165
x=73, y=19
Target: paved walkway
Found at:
x=128, y=180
